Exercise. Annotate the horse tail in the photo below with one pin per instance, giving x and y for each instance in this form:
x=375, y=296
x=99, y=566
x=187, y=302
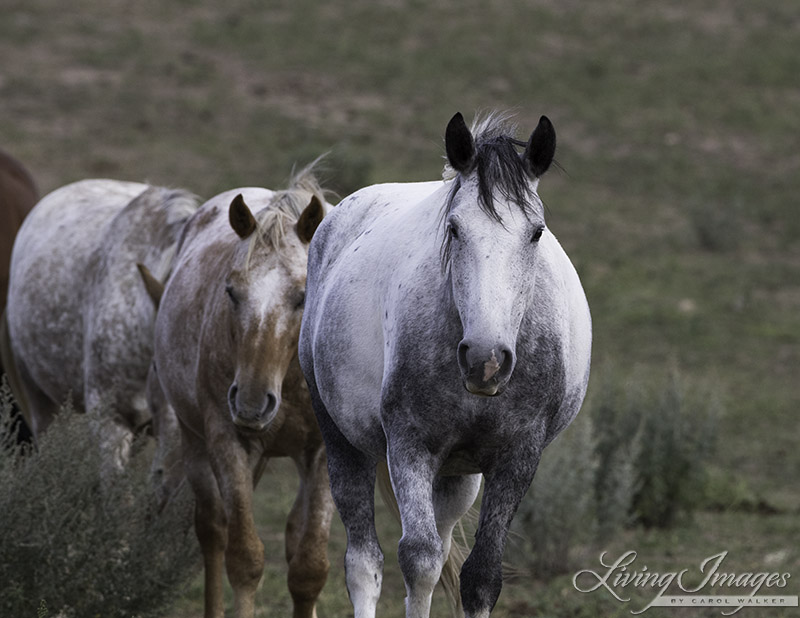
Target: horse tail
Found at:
x=9, y=366
x=459, y=548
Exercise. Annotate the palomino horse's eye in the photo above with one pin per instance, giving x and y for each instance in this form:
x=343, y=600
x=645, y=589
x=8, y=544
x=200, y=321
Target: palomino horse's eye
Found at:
x=231, y=295
x=301, y=300
x=537, y=234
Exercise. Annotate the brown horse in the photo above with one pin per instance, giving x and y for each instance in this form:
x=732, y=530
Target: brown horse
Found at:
x=18, y=194
x=226, y=359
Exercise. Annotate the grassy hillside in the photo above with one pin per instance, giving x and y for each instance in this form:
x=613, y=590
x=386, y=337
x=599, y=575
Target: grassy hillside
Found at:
x=678, y=134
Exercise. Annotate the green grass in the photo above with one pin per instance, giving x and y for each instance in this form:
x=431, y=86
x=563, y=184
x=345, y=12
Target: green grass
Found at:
x=677, y=128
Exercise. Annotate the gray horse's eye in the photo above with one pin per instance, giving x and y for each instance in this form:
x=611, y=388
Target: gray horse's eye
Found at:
x=452, y=229
x=537, y=234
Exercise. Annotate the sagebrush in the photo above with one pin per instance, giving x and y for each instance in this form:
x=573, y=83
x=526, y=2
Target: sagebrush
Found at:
x=560, y=510
x=637, y=454
x=677, y=431
x=81, y=546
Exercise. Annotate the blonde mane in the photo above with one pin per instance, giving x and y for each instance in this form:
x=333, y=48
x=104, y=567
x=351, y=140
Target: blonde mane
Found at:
x=276, y=220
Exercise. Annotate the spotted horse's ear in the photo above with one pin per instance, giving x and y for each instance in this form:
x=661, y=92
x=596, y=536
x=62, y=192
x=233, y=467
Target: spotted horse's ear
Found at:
x=310, y=219
x=459, y=145
x=541, y=148
x=241, y=219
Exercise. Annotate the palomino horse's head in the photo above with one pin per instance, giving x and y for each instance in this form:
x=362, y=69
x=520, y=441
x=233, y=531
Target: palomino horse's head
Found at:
x=265, y=293
x=494, y=234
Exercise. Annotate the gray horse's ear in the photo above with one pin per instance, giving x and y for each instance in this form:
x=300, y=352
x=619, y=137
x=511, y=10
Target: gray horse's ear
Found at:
x=242, y=220
x=310, y=219
x=459, y=144
x=155, y=289
x=541, y=148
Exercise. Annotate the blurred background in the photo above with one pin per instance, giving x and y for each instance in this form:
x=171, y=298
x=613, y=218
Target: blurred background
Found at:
x=676, y=196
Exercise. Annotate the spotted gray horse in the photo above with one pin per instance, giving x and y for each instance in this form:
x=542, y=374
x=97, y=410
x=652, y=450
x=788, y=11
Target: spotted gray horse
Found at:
x=446, y=331
x=80, y=322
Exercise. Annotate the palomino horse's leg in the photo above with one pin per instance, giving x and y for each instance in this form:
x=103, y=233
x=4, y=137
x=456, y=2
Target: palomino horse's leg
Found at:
x=482, y=573
x=244, y=553
x=307, y=531
x=420, y=551
x=352, y=478
x=209, y=521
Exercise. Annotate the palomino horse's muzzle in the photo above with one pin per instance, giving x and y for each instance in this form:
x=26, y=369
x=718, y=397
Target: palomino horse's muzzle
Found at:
x=485, y=370
x=254, y=411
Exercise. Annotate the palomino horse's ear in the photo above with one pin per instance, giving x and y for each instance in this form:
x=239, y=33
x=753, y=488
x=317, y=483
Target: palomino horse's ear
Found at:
x=155, y=289
x=541, y=147
x=459, y=144
x=310, y=219
x=242, y=220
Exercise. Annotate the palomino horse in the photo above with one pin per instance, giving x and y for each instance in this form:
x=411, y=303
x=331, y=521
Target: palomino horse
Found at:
x=18, y=194
x=226, y=359
x=80, y=322
x=447, y=332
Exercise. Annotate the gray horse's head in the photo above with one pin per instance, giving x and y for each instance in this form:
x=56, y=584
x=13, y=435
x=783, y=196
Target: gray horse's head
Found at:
x=494, y=236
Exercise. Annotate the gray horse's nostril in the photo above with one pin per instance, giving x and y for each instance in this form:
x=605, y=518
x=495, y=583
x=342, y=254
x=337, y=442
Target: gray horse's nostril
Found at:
x=506, y=361
x=463, y=348
x=484, y=364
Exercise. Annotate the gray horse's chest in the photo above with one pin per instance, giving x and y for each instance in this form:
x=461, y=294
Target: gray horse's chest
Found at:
x=424, y=400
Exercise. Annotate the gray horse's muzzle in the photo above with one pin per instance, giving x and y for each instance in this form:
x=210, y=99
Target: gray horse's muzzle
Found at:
x=252, y=412
x=485, y=370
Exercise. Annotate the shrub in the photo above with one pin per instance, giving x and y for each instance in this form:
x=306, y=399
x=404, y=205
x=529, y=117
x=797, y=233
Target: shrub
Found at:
x=677, y=433
x=560, y=508
x=79, y=547
x=634, y=455
x=617, y=446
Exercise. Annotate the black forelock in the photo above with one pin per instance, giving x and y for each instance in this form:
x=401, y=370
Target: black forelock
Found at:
x=500, y=169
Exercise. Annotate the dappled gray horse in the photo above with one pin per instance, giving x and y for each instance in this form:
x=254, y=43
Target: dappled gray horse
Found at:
x=447, y=332
x=80, y=322
x=226, y=359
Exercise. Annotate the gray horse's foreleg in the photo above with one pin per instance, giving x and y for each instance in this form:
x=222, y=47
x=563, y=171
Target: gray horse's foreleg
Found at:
x=307, y=531
x=452, y=498
x=112, y=431
x=166, y=470
x=39, y=410
x=420, y=552
x=482, y=573
x=352, y=482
